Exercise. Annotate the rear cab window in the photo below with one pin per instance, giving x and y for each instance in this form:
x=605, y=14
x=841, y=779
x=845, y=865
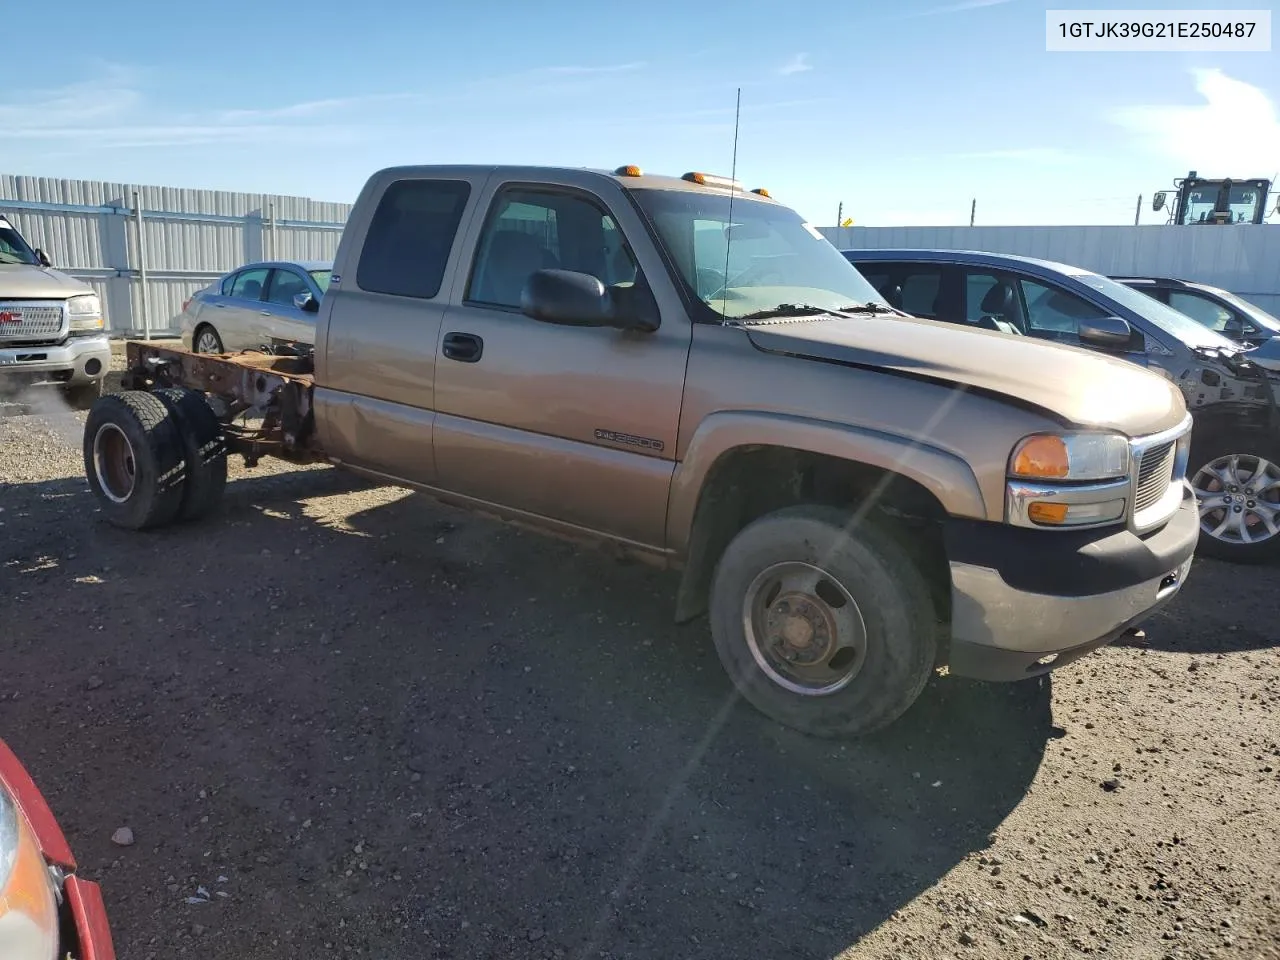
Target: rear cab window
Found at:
x=410, y=236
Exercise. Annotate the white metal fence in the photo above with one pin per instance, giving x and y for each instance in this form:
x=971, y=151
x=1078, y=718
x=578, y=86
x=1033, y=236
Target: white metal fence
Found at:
x=146, y=249
x=1243, y=258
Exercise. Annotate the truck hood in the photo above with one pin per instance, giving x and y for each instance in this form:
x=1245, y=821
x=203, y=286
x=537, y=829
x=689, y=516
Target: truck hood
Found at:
x=20, y=281
x=1073, y=385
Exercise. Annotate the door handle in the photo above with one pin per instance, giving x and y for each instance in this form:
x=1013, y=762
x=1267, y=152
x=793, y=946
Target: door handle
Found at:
x=463, y=347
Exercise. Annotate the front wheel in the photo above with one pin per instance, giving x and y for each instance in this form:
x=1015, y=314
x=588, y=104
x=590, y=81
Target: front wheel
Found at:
x=823, y=626
x=1236, y=478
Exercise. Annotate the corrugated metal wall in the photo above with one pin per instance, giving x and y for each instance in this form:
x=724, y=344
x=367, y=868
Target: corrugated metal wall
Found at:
x=1244, y=259
x=189, y=237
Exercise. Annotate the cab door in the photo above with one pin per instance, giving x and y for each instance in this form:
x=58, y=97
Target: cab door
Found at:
x=574, y=424
x=380, y=322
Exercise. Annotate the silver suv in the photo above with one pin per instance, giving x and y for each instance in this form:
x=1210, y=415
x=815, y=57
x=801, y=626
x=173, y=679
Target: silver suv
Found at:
x=51, y=327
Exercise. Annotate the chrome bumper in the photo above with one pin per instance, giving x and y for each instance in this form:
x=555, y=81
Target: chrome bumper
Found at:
x=79, y=360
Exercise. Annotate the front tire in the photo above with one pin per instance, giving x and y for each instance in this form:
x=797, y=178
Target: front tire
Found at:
x=823, y=626
x=1236, y=477
x=133, y=458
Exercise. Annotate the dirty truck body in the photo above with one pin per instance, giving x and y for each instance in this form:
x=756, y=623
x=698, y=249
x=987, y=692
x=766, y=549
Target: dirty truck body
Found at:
x=689, y=372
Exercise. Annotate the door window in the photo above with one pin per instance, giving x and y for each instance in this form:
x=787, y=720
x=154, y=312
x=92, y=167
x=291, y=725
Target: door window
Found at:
x=407, y=248
x=248, y=284
x=1054, y=314
x=531, y=230
x=1202, y=310
x=991, y=302
x=921, y=287
x=285, y=285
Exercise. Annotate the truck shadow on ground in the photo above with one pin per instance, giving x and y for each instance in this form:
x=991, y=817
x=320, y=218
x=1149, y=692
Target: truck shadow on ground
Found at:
x=417, y=733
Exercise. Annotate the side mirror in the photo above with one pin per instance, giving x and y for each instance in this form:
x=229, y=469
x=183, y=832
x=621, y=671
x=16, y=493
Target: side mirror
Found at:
x=306, y=303
x=43, y=258
x=571, y=299
x=1106, y=333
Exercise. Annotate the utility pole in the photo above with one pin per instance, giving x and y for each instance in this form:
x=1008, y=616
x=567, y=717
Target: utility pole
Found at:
x=973, y=209
x=1138, y=211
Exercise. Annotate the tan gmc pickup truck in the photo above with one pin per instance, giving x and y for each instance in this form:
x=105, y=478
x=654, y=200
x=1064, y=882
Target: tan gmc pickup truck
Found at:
x=689, y=371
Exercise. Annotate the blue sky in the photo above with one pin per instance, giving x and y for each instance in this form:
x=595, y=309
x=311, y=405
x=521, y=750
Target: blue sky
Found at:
x=904, y=111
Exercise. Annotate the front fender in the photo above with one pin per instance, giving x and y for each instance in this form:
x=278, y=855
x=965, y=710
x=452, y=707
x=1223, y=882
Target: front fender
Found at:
x=943, y=474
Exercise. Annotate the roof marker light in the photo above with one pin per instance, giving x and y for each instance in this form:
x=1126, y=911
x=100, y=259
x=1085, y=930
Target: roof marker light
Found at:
x=710, y=180
x=630, y=170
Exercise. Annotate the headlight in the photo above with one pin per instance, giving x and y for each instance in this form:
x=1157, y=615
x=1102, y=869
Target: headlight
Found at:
x=28, y=911
x=85, y=314
x=1070, y=457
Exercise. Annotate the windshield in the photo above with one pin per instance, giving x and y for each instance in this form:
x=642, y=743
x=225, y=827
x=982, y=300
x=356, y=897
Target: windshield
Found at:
x=1254, y=312
x=13, y=249
x=321, y=277
x=773, y=257
x=1169, y=320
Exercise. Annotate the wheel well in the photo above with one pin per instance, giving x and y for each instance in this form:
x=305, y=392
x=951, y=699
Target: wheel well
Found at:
x=748, y=482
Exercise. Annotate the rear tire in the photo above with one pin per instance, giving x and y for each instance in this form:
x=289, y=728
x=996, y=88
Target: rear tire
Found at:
x=844, y=641
x=134, y=461
x=206, y=340
x=1230, y=473
x=204, y=451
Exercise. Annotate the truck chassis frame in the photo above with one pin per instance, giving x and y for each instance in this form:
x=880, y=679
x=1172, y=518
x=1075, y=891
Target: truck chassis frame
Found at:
x=274, y=383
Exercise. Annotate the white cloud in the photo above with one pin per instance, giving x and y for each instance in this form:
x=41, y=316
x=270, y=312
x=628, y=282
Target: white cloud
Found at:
x=797, y=64
x=1234, y=132
x=961, y=6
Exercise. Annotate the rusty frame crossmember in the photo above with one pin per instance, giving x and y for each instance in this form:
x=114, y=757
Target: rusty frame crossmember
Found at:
x=258, y=383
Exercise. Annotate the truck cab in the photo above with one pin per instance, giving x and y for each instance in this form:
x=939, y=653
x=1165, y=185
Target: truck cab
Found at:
x=688, y=372
x=52, y=332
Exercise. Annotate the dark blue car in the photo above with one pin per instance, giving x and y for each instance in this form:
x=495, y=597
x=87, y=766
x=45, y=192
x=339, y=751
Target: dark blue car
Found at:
x=1235, y=455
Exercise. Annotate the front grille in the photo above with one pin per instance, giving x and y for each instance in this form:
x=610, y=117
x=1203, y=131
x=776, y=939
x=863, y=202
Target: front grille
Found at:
x=1155, y=473
x=30, y=322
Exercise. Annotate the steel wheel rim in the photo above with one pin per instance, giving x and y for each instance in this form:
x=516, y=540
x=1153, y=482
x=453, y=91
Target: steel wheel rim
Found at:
x=207, y=342
x=114, y=463
x=804, y=629
x=1239, y=498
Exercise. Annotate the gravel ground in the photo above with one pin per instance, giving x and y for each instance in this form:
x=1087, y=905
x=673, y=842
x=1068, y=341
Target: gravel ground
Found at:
x=340, y=720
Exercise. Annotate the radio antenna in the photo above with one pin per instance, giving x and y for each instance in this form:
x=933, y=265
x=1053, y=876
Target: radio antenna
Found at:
x=728, y=233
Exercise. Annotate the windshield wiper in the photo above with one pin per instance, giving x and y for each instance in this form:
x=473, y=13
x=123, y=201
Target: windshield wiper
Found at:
x=870, y=307
x=791, y=310
x=809, y=310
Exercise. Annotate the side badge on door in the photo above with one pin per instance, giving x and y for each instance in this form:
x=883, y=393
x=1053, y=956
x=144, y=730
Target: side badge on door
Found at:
x=610, y=436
